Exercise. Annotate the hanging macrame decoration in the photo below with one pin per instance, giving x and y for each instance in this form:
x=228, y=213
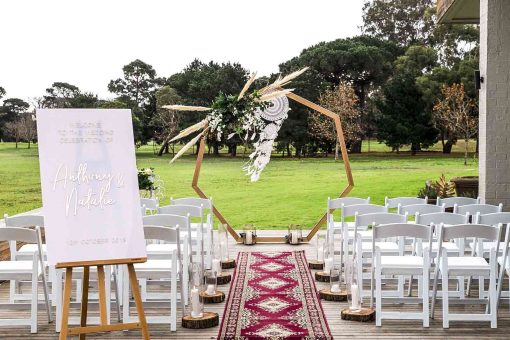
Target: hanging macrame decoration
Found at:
x=256, y=117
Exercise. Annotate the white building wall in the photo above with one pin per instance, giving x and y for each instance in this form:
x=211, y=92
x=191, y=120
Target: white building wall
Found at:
x=494, y=168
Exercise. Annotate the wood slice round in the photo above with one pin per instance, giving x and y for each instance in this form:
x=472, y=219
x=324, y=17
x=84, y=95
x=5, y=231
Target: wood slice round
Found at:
x=328, y=295
x=314, y=264
x=322, y=277
x=217, y=297
x=208, y=320
x=228, y=264
x=224, y=278
x=364, y=315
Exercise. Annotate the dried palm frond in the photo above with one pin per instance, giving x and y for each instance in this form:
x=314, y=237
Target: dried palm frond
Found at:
x=188, y=145
x=275, y=94
x=189, y=130
x=247, y=85
x=281, y=82
x=186, y=108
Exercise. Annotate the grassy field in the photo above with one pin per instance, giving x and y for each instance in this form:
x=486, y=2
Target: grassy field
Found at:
x=289, y=190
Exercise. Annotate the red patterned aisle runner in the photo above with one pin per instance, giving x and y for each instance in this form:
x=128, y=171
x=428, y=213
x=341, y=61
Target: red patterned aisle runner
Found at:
x=273, y=296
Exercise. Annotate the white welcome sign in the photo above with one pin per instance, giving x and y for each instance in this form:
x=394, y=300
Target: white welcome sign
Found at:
x=89, y=183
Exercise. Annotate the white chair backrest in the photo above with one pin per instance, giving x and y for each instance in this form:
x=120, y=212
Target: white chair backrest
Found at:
x=394, y=202
x=378, y=218
x=442, y=218
x=481, y=231
x=391, y=230
x=19, y=234
x=182, y=210
x=414, y=209
x=205, y=203
x=24, y=221
x=473, y=209
x=493, y=219
x=150, y=203
x=166, y=233
x=166, y=220
x=362, y=209
x=337, y=203
x=451, y=201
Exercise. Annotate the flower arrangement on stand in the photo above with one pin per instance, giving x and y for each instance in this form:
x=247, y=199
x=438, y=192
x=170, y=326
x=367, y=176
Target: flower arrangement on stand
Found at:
x=256, y=117
x=149, y=183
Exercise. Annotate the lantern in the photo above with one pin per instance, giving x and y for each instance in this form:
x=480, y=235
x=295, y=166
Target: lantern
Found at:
x=321, y=247
x=223, y=242
x=211, y=281
x=295, y=234
x=250, y=234
x=334, y=280
x=196, y=305
x=353, y=286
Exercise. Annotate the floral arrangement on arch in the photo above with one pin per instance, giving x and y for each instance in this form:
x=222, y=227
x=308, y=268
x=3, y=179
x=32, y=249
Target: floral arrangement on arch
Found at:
x=256, y=117
x=149, y=182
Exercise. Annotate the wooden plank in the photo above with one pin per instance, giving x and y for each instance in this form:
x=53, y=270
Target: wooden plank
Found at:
x=65, y=303
x=103, y=328
x=138, y=300
x=100, y=262
x=102, y=295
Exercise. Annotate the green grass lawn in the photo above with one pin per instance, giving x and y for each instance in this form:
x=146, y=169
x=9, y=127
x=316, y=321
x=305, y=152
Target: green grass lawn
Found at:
x=289, y=190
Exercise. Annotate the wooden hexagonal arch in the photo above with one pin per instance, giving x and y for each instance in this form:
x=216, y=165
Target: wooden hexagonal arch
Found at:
x=345, y=158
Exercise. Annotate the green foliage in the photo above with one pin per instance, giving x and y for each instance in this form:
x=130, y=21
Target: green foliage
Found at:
x=444, y=188
x=60, y=95
x=403, y=119
x=146, y=179
x=428, y=191
x=2, y=92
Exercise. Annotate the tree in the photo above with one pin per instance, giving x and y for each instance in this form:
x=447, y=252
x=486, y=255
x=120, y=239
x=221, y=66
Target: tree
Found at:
x=2, y=92
x=455, y=113
x=138, y=84
x=405, y=22
x=403, y=119
x=363, y=62
x=166, y=121
x=343, y=101
x=14, y=107
x=60, y=95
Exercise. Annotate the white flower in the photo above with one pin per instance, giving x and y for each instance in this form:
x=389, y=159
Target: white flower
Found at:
x=148, y=171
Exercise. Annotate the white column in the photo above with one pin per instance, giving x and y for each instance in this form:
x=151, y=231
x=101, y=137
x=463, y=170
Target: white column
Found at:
x=494, y=134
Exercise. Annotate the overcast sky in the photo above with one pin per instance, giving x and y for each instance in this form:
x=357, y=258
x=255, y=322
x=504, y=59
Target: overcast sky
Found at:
x=87, y=42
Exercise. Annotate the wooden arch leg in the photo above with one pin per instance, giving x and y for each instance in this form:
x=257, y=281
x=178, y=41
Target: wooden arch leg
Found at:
x=138, y=301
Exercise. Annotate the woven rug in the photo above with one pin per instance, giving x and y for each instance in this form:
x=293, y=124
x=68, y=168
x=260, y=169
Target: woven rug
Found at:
x=273, y=296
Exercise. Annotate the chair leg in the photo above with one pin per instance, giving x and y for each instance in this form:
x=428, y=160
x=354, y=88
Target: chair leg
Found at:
x=57, y=294
x=125, y=299
x=444, y=288
x=173, y=297
x=481, y=288
x=434, y=292
x=493, y=298
x=378, y=297
x=35, y=297
x=425, y=297
x=117, y=295
x=12, y=291
x=143, y=289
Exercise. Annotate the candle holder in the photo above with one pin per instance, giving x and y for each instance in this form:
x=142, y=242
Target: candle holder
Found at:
x=196, y=317
x=226, y=261
x=354, y=299
x=335, y=291
x=328, y=260
x=249, y=234
x=295, y=234
x=211, y=293
x=318, y=261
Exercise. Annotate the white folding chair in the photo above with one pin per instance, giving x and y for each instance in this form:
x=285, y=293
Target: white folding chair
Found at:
x=201, y=250
x=151, y=204
x=474, y=209
x=160, y=251
x=168, y=269
x=207, y=223
x=362, y=230
x=363, y=247
x=452, y=247
x=450, y=202
x=395, y=202
x=467, y=266
x=417, y=265
x=25, y=252
x=413, y=209
x=25, y=270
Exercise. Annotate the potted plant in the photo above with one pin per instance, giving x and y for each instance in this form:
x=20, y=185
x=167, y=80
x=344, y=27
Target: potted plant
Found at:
x=440, y=188
x=466, y=186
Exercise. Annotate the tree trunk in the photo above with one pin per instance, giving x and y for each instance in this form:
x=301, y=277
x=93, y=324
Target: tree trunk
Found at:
x=232, y=149
x=415, y=147
x=29, y=144
x=447, y=146
x=288, y=150
x=216, y=149
x=355, y=147
x=466, y=150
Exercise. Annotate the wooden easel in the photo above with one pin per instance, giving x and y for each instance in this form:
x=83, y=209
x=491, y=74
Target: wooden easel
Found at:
x=83, y=329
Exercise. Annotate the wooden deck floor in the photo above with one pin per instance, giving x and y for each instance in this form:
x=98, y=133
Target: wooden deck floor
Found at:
x=340, y=329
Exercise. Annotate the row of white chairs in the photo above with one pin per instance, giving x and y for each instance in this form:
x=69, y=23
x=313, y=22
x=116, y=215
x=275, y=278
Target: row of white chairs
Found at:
x=169, y=251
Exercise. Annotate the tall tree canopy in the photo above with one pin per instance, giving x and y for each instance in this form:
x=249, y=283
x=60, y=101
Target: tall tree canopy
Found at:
x=2, y=92
x=138, y=84
x=405, y=22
